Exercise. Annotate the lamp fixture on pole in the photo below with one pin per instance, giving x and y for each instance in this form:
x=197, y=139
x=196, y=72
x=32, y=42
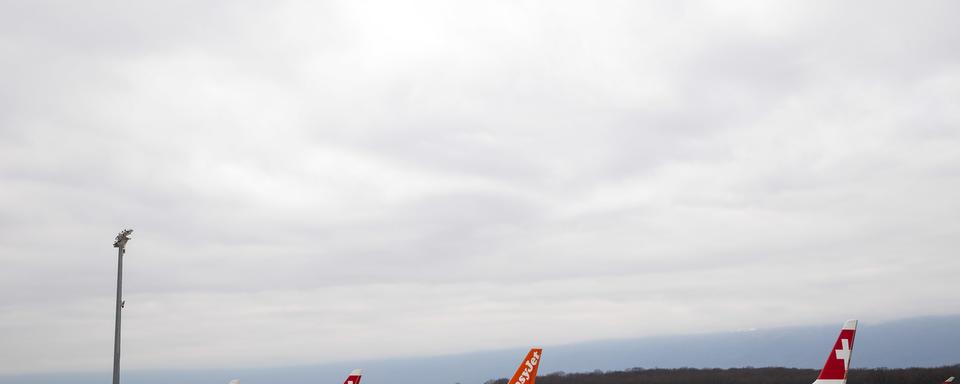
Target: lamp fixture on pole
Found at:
x=120, y=243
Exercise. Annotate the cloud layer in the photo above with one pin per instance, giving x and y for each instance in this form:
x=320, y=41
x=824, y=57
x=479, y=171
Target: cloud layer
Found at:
x=316, y=182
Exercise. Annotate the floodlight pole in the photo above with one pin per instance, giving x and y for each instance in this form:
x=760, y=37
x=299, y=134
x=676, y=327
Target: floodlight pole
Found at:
x=120, y=243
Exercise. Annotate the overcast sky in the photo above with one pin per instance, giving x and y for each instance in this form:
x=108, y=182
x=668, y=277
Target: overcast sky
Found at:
x=324, y=181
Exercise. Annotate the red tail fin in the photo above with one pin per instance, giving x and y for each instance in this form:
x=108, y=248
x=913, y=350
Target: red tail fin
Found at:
x=354, y=377
x=838, y=361
x=527, y=373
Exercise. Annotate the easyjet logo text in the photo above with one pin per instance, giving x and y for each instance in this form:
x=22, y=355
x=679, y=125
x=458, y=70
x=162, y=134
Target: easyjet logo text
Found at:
x=528, y=367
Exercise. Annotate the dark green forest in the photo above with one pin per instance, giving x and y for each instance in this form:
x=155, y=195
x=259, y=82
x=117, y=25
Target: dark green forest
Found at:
x=746, y=376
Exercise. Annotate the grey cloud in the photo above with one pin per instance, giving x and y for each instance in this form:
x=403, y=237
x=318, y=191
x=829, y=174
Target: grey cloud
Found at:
x=304, y=175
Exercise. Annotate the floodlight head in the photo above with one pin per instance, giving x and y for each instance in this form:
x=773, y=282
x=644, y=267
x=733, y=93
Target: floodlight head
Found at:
x=122, y=238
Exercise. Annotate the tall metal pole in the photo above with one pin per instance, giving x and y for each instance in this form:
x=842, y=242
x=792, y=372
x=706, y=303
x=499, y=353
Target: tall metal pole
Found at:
x=120, y=244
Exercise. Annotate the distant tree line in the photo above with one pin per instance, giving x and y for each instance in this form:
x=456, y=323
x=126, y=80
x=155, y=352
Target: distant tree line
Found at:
x=747, y=375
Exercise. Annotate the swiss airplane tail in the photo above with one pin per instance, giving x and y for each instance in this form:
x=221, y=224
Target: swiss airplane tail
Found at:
x=948, y=380
x=838, y=361
x=354, y=377
x=527, y=373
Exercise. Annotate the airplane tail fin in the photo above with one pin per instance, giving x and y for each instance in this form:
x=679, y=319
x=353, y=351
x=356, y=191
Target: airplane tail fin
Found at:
x=527, y=372
x=354, y=377
x=838, y=361
x=948, y=380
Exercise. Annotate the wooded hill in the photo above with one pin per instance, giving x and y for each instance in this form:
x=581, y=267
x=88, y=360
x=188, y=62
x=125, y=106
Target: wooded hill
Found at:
x=746, y=376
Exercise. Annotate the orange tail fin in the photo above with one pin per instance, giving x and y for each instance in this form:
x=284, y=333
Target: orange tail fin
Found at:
x=527, y=373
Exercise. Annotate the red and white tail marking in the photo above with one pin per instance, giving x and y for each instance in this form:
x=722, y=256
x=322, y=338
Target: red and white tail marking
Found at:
x=527, y=373
x=838, y=361
x=354, y=377
x=948, y=380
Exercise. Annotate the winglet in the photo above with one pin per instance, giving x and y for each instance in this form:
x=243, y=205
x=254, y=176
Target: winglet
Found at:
x=354, y=377
x=527, y=372
x=948, y=380
x=838, y=361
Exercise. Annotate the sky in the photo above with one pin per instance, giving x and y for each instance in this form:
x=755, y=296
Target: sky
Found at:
x=322, y=181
